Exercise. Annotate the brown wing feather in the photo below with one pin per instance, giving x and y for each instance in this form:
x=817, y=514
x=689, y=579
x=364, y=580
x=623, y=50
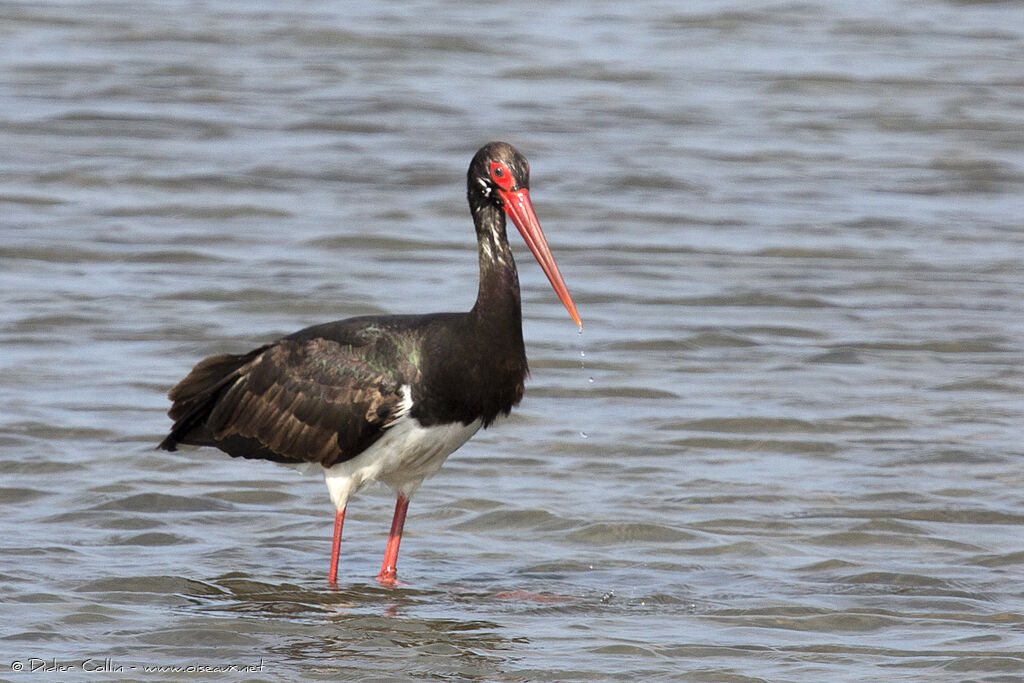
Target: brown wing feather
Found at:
x=206, y=377
x=312, y=400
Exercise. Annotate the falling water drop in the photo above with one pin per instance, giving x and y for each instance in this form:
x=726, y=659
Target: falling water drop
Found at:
x=583, y=367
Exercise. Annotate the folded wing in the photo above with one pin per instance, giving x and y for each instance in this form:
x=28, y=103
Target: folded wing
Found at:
x=296, y=400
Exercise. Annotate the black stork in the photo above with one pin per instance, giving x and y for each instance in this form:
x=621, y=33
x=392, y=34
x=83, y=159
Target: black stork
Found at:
x=382, y=398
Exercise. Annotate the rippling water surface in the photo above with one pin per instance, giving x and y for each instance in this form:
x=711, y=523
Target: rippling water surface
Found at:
x=786, y=446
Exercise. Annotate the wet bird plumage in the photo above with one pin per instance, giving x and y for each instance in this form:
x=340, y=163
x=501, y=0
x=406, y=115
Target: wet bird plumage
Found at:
x=381, y=397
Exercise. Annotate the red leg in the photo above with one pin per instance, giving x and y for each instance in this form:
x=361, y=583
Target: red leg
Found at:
x=389, y=566
x=339, y=520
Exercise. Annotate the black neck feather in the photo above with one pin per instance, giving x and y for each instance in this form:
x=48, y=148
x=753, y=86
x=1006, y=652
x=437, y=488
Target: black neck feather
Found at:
x=498, y=298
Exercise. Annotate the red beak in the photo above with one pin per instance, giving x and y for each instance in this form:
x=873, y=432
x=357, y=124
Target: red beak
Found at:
x=520, y=209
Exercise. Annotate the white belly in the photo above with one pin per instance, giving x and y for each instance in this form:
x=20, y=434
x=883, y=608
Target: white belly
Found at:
x=407, y=454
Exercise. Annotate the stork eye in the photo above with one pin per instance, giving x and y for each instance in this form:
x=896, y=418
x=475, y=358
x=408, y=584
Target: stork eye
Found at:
x=501, y=176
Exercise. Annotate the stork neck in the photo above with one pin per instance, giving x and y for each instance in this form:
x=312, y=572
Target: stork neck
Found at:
x=498, y=297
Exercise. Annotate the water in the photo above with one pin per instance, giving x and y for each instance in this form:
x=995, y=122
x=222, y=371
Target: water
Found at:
x=785, y=448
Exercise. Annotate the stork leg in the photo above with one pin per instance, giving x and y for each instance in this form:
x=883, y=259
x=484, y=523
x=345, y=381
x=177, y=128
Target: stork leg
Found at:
x=389, y=566
x=339, y=520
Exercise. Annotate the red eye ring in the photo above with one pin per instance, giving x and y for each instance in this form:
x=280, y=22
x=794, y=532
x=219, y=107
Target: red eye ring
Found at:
x=501, y=176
